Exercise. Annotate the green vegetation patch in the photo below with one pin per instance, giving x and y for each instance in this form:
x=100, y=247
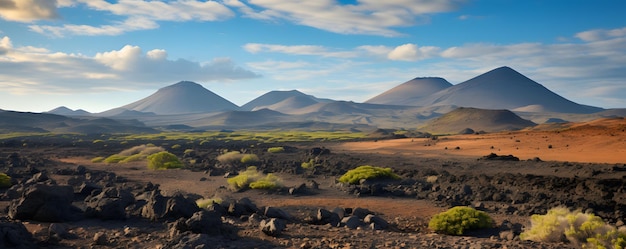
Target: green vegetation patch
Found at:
x=457, y=220
x=253, y=179
x=354, y=176
x=5, y=180
x=232, y=157
x=205, y=203
x=134, y=154
x=163, y=160
x=276, y=150
x=584, y=229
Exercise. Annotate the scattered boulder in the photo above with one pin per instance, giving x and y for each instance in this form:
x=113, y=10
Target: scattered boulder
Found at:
x=205, y=222
x=47, y=203
x=273, y=227
x=273, y=212
x=376, y=222
x=15, y=235
x=327, y=217
x=351, y=222
x=161, y=207
x=494, y=156
x=109, y=204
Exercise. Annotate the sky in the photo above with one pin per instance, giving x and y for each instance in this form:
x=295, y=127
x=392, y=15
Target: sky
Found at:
x=97, y=55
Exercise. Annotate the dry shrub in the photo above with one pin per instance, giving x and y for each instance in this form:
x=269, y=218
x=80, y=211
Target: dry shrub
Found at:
x=583, y=229
x=251, y=178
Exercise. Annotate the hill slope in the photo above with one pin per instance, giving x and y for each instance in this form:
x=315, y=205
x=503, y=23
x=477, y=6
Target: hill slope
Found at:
x=180, y=98
x=476, y=119
x=505, y=88
x=274, y=97
x=410, y=92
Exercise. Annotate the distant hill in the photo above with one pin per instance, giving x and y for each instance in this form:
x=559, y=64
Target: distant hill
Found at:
x=240, y=119
x=62, y=110
x=180, y=98
x=411, y=92
x=476, y=119
x=11, y=121
x=274, y=97
x=501, y=88
x=290, y=104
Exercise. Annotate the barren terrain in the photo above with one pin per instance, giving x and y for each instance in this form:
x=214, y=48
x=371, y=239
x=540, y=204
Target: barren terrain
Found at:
x=580, y=166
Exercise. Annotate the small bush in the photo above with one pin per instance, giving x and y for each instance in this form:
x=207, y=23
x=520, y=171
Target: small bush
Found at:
x=276, y=150
x=97, y=159
x=251, y=178
x=163, y=160
x=188, y=151
x=114, y=158
x=308, y=165
x=584, y=229
x=176, y=146
x=354, y=176
x=457, y=220
x=249, y=159
x=98, y=141
x=230, y=157
x=5, y=180
x=204, y=203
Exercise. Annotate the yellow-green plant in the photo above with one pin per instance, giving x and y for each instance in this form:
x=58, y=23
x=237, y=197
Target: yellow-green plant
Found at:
x=251, y=178
x=276, y=149
x=163, y=160
x=354, y=176
x=584, y=229
x=457, y=220
x=176, y=146
x=5, y=180
x=308, y=165
x=98, y=159
x=204, y=203
x=249, y=158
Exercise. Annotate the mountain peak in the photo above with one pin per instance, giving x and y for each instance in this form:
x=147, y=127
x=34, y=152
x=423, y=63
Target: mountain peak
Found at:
x=411, y=91
x=182, y=97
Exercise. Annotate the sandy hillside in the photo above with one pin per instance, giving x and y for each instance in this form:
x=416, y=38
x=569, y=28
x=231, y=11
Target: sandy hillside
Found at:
x=599, y=141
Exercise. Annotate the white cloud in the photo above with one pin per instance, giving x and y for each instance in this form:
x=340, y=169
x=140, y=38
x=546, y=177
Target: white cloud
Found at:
x=411, y=52
x=371, y=17
x=28, y=10
x=297, y=50
x=130, y=24
x=30, y=69
x=138, y=14
x=601, y=34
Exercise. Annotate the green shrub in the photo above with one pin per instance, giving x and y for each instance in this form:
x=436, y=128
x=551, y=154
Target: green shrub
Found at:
x=276, y=150
x=163, y=160
x=97, y=159
x=309, y=165
x=251, y=178
x=354, y=176
x=98, y=141
x=133, y=158
x=204, y=203
x=249, y=158
x=5, y=180
x=230, y=157
x=176, y=146
x=584, y=229
x=114, y=158
x=457, y=220
x=188, y=151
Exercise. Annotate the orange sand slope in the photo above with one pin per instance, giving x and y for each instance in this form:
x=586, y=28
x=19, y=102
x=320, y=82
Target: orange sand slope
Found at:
x=598, y=141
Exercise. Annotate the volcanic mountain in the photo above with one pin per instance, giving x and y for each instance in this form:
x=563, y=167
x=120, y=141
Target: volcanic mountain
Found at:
x=274, y=97
x=62, y=110
x=411, y=91
x=180, y=98
x=476, y=119
x=504, y=88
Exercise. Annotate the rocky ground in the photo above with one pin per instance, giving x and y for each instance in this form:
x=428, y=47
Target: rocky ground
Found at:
x=60, y=199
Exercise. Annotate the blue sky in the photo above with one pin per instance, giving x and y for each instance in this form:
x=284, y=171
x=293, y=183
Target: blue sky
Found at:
x=101, y=54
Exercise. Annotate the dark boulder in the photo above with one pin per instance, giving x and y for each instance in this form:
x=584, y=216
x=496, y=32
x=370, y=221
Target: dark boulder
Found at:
x=15, y=235
x=109, y=204
x=47, y=203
